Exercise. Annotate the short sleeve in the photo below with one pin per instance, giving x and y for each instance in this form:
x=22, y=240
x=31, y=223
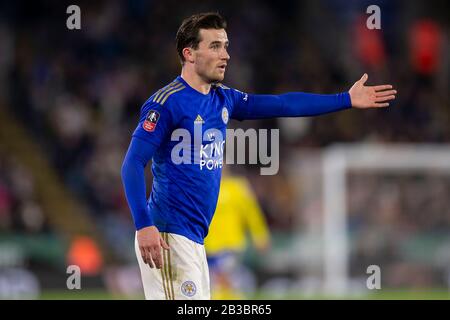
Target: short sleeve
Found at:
x=155, y=123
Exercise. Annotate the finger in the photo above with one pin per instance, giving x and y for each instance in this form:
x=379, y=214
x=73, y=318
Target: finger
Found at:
x=380, y=105
x=386, y=93
x=382, y=87
x=382, y=99
x=143, y=254
x=149, y=258
x=157, y=258
x=164, y=244
x=364, y=78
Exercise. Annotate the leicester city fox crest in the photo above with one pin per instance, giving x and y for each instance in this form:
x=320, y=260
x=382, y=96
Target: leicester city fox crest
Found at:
x=225, y=115
x=188, y=288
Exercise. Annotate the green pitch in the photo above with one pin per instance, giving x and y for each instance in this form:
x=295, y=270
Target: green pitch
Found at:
x=378, y=295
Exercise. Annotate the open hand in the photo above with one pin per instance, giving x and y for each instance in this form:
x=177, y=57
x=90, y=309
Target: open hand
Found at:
x=363, y=97
x=150, y=243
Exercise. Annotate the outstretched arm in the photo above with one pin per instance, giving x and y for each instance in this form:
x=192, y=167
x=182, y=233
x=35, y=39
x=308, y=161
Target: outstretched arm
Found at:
x=299, y=104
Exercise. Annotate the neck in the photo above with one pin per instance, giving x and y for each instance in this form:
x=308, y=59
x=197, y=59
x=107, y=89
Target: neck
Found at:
x=195, y=81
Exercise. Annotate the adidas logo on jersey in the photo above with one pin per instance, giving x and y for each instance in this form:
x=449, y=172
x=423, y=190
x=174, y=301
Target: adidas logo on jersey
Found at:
x=198, y=120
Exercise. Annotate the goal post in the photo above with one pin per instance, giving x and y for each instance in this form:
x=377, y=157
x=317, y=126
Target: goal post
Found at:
x=337, y=160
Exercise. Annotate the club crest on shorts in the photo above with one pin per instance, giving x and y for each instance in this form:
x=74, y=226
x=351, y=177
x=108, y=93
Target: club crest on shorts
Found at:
x=225, y=115
x=188, y=288
x=151, y=120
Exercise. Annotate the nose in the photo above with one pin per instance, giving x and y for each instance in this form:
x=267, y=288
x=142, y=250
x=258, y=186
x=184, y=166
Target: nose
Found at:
x=225, y=55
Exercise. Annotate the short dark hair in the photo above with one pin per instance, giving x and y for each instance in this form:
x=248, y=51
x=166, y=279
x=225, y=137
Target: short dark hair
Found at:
x=188, y=35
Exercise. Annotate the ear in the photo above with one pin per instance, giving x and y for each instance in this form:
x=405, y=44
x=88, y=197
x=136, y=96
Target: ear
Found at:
x=188, y=55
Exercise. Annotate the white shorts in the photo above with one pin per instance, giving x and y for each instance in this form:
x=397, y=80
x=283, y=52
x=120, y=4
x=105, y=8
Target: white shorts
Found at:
x=184, y=275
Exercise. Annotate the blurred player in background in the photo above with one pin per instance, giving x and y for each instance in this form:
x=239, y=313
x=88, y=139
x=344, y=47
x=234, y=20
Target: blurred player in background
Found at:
x=238, y=222
x=184, y=193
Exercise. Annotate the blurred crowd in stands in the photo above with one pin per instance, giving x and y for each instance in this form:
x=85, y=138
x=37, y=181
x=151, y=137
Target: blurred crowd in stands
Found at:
x=19, y=204
x=403, y=223
x=79, y=92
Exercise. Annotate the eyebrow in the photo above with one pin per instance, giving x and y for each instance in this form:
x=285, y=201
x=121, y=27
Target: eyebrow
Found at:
x=219, y=42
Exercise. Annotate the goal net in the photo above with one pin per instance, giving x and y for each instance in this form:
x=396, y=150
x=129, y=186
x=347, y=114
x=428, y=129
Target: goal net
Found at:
x=373, y=205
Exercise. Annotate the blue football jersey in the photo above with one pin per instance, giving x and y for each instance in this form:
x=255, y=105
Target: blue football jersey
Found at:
x=188, y=130
x=184, y=131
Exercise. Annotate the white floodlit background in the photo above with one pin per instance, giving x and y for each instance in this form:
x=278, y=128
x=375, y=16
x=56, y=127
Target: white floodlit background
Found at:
x=356, y=190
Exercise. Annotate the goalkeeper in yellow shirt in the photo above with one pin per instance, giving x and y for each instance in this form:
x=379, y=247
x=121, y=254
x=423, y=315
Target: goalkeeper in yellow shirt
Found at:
x=238, y=219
